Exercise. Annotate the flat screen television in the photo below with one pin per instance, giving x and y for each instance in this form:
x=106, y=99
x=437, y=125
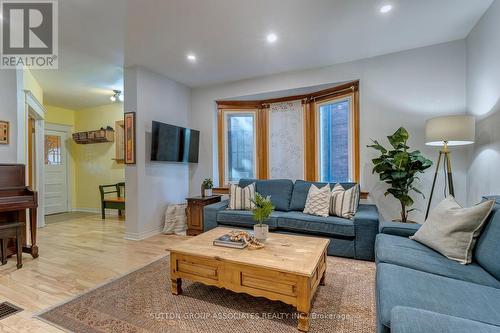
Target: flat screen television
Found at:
x=174, y=144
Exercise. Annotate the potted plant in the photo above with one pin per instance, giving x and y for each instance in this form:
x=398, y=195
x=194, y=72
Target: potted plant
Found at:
x=206, y=187
x=399, y=167
x=261, y=212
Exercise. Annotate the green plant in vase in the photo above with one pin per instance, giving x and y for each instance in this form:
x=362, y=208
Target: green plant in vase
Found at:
x=399, y=167
x=206, y=187
x=261, y=212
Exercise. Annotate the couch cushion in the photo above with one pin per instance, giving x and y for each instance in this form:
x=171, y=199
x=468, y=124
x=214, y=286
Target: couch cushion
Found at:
x=243, y=218
x=280, y=191
x=408, y=253
x=331, y=225
x=301, y=188
x=488, y=245
x=411, y=320
x=401, y=286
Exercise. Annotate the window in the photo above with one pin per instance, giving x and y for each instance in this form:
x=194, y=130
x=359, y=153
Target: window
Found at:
x=335, y=140
x=53, y=150
x=240, y=145
x=329, y=129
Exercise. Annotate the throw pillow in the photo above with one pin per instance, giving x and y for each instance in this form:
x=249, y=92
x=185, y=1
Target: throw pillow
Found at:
x=318, y=201
x=452, y=230
x=240, y=198
x=344, y=203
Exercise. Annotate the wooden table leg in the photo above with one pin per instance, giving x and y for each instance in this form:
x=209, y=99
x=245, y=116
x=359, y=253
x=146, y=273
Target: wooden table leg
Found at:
x=322, y=280
x=303, y=303
x=176, y=286
x=19, y=248
x=3, y=244
x=33, y=227
x=303, y=324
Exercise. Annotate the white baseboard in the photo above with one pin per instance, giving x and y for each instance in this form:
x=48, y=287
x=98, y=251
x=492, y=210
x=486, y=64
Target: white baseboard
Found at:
x=136, y=236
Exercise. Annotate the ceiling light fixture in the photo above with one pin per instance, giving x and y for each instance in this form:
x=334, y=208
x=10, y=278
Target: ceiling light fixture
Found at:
x=385, y=9
x=271, y=38
x=191, y=57
x=117, y=95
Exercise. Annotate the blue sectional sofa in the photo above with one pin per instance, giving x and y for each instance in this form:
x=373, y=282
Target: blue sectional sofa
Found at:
x=420, y=291
x=348, y=238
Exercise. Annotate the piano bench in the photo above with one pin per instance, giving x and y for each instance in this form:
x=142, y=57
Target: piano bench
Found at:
x=12, y=231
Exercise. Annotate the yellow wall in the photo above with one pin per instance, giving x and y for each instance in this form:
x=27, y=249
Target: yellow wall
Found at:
x=57, y=115
x=30, y=83
x=95, y=164
x=92, y=164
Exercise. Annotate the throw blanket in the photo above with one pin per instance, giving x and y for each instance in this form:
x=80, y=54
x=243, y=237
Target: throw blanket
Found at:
x=175, y=220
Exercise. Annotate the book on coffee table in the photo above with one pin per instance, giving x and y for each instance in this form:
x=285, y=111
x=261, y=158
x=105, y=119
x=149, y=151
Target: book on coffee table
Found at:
x=225, y=240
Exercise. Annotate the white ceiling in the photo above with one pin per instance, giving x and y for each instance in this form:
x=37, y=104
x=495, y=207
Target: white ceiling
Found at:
x=99, y=37
x=91, y=44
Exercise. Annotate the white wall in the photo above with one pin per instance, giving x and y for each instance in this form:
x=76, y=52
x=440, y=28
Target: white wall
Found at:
x=400, y=89
x=483, y=101
x=151, y=186
x=8, y=112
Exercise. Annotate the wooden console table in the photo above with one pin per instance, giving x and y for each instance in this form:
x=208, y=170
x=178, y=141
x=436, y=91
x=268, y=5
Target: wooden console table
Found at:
x=194, y=211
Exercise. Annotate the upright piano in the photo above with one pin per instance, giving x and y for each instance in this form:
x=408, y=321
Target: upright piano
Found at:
x=15, y=199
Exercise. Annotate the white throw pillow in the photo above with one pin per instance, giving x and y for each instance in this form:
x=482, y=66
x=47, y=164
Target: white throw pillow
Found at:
x=318, y=201
x=344, y=203
x=241, y=198
x=452, y=230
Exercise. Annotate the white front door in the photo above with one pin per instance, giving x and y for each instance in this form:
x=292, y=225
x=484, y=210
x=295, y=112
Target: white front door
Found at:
x=56, y=172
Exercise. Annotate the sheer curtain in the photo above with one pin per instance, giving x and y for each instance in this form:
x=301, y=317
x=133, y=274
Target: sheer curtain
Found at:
x=286, y=140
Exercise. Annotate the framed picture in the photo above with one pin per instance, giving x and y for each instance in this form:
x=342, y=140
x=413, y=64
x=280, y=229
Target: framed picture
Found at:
x=4, y=132
x=129, y=122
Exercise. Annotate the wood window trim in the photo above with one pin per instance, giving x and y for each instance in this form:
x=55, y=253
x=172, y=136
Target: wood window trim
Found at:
x=311, y=125
x=312, y=145
x=310, y=101
x=261, y=119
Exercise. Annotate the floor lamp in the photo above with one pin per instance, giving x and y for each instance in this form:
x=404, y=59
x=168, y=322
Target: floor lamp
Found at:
x=446, y=132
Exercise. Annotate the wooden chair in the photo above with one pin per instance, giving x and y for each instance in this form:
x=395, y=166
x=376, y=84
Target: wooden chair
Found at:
x=12, y=231
x=112, y=202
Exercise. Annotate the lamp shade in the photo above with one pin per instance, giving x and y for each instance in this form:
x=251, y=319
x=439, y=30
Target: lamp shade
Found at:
x=452, y=130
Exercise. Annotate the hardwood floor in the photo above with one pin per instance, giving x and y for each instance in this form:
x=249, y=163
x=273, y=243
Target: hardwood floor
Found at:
x=75, y=255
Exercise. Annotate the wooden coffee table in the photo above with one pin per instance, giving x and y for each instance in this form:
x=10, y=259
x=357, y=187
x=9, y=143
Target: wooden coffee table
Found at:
x=288, y=269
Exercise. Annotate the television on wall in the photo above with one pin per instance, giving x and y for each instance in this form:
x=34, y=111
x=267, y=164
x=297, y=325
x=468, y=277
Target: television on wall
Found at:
x=173, y=143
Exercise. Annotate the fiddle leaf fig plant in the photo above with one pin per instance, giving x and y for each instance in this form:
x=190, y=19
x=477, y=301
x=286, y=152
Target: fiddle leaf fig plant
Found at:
x=399, y=167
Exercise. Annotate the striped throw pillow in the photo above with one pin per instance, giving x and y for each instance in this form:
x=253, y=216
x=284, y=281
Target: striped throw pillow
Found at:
x=344, y=203
x=318, y=201
x=240, y=198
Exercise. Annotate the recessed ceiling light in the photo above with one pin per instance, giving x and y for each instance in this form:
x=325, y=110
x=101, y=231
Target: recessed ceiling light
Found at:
x=191, y=57
x=385, y=9
x=271, y=38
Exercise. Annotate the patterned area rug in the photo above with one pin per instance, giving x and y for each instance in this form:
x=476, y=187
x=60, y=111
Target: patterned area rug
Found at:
x=141, y=302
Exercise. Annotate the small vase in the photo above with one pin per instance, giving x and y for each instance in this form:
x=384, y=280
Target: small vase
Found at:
x=208, y=192
x=202, y=191
x=260, y=232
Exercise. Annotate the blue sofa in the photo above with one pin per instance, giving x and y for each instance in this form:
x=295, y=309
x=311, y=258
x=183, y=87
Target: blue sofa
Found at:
x=420, y=291
x=348, y=238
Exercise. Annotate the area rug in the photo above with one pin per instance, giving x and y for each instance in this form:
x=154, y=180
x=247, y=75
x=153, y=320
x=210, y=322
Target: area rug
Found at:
x=141, y=302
